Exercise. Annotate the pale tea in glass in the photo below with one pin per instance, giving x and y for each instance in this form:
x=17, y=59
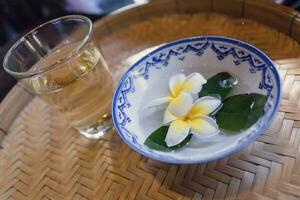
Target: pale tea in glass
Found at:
x=61, y=63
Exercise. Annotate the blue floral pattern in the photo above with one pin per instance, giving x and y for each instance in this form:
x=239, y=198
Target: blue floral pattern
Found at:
x=164, y=57
x=255, y=64
x=122, y=104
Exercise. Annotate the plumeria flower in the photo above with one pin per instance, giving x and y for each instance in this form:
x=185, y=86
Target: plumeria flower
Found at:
x=186, y=117
x=179, y=83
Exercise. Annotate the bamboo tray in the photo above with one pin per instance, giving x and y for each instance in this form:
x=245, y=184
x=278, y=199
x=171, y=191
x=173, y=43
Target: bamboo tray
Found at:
x=42, y=157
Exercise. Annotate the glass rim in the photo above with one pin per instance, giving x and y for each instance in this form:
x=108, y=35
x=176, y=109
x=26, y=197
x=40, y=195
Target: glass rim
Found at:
x=73, y=53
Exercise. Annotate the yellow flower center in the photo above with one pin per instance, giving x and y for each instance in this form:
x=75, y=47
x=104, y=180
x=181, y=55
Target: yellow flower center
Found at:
x=187, y=119
x=181, y=87
x=178, y=87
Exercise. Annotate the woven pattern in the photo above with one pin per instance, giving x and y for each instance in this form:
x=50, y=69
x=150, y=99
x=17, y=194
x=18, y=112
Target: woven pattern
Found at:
x=43, y=157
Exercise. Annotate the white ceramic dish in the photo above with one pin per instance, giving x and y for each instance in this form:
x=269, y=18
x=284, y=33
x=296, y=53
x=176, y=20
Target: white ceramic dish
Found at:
x=148, y=78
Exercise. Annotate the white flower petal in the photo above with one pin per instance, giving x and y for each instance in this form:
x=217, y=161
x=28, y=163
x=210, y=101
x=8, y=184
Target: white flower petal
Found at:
x=175, y=84
x=180, y=105
x=204, y=106
x=204, y=126
x=159, y=101
x=177, y=132
x=168, y=117
x=193, y=83
x=197, y=76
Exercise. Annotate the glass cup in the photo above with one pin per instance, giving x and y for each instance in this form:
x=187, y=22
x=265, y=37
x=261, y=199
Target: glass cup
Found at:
x=61, y=63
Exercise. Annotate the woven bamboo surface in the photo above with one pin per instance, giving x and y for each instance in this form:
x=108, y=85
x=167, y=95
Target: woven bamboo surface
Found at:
x=42, y=157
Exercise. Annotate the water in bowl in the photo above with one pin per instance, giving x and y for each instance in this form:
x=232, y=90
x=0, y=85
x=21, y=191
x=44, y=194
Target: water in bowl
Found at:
x=151, y=119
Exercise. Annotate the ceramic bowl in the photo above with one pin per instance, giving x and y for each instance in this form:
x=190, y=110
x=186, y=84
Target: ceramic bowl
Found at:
x=148, y=78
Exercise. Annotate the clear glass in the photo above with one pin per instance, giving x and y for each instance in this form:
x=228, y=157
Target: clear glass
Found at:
x=60, y=62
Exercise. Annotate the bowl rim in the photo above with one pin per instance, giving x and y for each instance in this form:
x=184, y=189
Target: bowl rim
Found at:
x=229, y=151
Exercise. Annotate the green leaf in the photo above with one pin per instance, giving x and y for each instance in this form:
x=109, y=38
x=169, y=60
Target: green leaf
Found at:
x=239, y=112
x=157, y=140
x=220, y=84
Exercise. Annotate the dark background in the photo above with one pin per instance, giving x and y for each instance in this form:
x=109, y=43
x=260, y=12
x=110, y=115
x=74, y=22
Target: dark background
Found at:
x=19, y=16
